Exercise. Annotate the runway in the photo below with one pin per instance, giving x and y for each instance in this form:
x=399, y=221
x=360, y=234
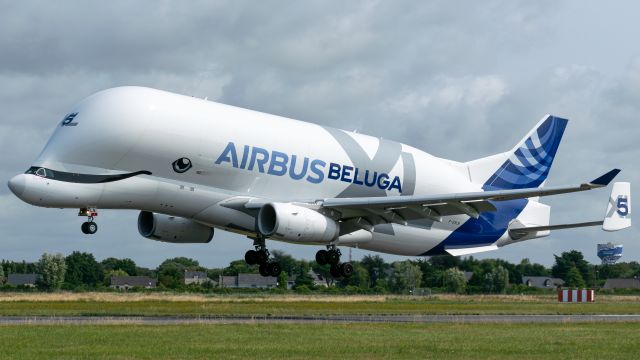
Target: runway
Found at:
x=170, y=320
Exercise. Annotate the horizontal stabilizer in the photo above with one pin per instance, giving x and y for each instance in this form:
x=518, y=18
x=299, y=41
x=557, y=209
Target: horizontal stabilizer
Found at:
x=461, y=251
x=518, y=233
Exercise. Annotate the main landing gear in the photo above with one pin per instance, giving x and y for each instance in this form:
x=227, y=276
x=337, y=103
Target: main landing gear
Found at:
x=261, y=256
x=332, y=256
x=89, y=227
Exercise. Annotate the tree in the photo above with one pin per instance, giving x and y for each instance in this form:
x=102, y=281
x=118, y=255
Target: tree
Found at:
x=304, y=280
x=83, y=269
x=573, y=278
x=527, y=268
x=406, y=276
x=454, y=281
x=497, y=280
x=570, y=259
x=444, y=262
x=625, y=270
x=171, y=271
x=239, y=267
x=376, y=267
x=143, y=271
x=126, y=265
x=15, y=267
x=324, y=271
x=51, y=269
x=1, y=273
x=283, y=280
x=191, y=264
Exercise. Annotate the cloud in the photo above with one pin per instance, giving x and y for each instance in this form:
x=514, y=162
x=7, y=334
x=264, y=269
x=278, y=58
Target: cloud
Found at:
x=458, y=80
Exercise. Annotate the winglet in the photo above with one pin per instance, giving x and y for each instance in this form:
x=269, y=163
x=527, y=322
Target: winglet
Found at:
x=605, y=179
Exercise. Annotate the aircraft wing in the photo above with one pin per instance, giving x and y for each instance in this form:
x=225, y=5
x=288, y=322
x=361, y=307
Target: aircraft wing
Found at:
x=398, y=209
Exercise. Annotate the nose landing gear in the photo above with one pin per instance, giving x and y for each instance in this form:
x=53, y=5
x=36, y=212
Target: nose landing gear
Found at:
x=331, y=256
x=89, y=227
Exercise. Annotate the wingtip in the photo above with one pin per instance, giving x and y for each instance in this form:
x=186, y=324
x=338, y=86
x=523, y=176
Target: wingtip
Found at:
x=605, y=179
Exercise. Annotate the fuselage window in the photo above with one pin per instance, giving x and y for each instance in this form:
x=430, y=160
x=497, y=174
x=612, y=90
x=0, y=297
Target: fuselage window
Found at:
x=41, y=172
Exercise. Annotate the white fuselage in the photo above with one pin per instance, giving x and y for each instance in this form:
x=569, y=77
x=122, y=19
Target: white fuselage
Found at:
x=235, y=154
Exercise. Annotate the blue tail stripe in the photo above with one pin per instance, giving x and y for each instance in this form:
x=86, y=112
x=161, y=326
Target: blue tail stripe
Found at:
x=529, y=165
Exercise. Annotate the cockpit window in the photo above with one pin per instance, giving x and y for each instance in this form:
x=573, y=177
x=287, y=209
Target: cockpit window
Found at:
x=81, y=178
x=42, y=172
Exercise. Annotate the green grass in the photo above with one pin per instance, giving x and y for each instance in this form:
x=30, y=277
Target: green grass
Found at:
x=267, y=307
x=316, y=341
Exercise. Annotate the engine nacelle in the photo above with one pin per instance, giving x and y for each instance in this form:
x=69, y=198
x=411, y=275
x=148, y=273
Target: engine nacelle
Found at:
x=172, y=229
x=295, y=223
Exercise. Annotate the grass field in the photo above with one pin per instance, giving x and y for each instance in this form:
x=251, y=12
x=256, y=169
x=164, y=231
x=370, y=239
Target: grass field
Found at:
x=313, y=341
x=21, y=304
x=347, y=341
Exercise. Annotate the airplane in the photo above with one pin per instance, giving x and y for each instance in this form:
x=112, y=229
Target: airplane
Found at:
x=191, y=166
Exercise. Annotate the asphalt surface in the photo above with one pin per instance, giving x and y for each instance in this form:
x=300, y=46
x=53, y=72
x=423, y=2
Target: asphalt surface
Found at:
x=169, y=320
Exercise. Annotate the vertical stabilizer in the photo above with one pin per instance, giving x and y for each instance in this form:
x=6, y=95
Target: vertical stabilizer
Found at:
x=527, y=165
x=618, y=215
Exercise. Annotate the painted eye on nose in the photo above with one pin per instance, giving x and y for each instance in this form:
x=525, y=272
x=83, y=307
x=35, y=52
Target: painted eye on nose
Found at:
x=182, y=165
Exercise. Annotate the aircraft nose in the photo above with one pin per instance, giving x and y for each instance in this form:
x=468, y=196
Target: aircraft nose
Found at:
x=17, y=184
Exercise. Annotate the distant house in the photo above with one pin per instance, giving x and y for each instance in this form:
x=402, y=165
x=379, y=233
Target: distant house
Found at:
x=468, y=275
x=542, y=282
x=127, y=282
x=248, y=281
x=612, y=284
x=196, y=277
x=28, y=280
x=256, y=281
x=318, y=280
x=228, y=281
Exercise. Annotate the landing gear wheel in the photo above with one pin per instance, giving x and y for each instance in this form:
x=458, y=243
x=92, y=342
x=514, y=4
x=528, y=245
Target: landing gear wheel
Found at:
x=333, y=257
x=262, y=256
x=346, y=270
x=335, y=271
x=89, y=227
x=92, y=227
x=251, y=257
x=274, y=269
x=264, y=271
x=322, y=257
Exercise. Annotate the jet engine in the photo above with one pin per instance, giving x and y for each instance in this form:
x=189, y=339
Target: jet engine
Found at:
x=295, y=223
x=172, y=229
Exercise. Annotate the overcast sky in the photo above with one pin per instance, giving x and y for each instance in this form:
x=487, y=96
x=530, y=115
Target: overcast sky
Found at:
x=458, y=79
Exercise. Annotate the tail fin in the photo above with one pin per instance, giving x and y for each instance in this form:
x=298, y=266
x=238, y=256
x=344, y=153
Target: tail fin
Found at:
x=527, y=165
x=618, y=215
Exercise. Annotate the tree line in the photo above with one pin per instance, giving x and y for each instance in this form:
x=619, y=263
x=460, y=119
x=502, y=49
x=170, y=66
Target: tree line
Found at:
x=372, y=274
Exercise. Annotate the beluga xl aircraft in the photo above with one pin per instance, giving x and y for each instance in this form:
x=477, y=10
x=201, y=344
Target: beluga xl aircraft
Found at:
x=191, y=165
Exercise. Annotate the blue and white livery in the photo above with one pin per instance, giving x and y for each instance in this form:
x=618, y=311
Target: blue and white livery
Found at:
x=192, y=165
